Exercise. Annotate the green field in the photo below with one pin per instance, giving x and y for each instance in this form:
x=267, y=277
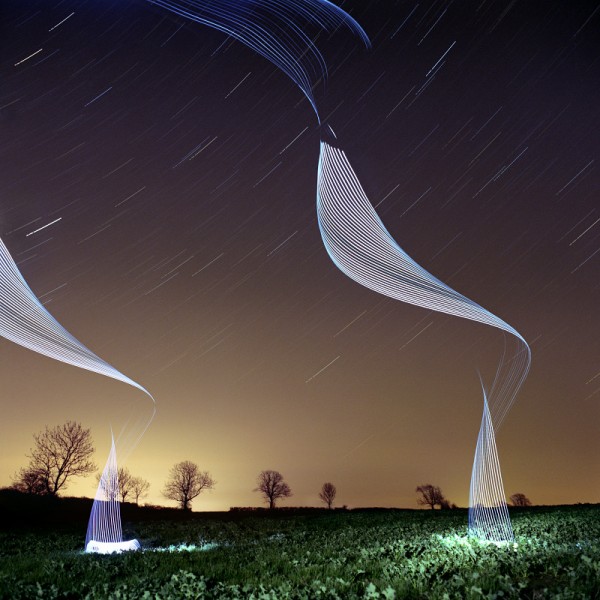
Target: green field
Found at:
x=337, y=554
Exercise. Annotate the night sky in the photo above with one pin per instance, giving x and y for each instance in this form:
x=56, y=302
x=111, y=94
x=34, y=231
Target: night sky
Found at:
x=178, y=170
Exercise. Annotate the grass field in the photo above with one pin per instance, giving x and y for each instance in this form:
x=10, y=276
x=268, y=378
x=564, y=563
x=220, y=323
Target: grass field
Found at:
x=337, y=554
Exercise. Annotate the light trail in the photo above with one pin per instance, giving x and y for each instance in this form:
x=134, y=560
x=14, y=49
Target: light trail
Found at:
x=61, y=22
x=28, y=57
x=105, y=533
x=25, y=321
x=43, y=227
x=362, y=248
x=274, y=29
x=321, y=370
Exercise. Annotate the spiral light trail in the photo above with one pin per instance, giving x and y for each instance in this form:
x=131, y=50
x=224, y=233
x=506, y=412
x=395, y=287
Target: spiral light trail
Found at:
x=275, y=29
x=488, y=513
x=272, y=28
x=352, y=232
x=362, y=248
x=105, y=533
x=25, y=321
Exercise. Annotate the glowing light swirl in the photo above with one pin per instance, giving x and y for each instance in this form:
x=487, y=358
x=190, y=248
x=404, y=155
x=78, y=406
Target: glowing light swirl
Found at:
x=25, y=321
x=352, y=232
x=104, y=533
x=488, y=513
x=273, y=29
x=362, y=248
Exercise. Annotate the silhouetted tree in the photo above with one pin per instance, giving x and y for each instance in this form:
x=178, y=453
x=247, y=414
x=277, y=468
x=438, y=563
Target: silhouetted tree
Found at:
x=125, y=479
x=29, y=481
x=272, y=487
x=431, y=495
x=59, y=454
x=139, y=488
x=187, y=482
x=327, y=494
x=520, y=500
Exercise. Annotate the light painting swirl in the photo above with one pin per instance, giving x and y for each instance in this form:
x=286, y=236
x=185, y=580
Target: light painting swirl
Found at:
x=25, y=321
x=275, y=29
x=352, y=232
x=362, y=248
x=105, y=533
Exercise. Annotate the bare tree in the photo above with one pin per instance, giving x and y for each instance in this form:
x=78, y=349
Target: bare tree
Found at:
x=58, y=455
x=431, y=495
x=187, y=482
x=327, y=494
x=272, y=487
x=520, y=500
x=29, y=481
x=125, y=479
x=139, y=488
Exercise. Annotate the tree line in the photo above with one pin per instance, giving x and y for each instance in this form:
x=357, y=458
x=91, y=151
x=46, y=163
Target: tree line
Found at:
x=432, y=496
x=65, y=451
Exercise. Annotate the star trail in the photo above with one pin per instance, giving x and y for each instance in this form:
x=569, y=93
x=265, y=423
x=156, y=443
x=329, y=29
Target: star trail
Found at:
x=158, y=196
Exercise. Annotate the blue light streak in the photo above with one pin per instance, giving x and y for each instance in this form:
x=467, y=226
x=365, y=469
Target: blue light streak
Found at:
x=275, y=30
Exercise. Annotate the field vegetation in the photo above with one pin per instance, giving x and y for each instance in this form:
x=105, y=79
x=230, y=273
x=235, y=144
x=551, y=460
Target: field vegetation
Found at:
x=303, y=554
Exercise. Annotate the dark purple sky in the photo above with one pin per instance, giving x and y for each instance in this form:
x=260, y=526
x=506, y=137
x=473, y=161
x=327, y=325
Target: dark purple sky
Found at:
x=182, y=168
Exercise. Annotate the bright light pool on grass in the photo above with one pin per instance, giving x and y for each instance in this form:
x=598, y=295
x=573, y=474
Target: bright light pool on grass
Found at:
x=450, y=541
x=112, y=547
x=203, y=547
x=133, y=545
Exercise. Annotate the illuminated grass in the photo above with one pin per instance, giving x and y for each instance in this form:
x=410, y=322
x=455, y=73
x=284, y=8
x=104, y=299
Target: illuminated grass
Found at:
x=202, y=547
x=370, y=554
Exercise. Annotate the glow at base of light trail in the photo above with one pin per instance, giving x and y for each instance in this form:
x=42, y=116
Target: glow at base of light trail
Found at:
x=105, y=533
x=203, y=547
x=25, y=321
x=453, y=541
x=362, y=248
x=111, y=547
x=488, y=513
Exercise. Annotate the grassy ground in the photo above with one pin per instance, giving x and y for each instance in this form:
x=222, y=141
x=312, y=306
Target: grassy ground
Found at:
x=340, y=554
